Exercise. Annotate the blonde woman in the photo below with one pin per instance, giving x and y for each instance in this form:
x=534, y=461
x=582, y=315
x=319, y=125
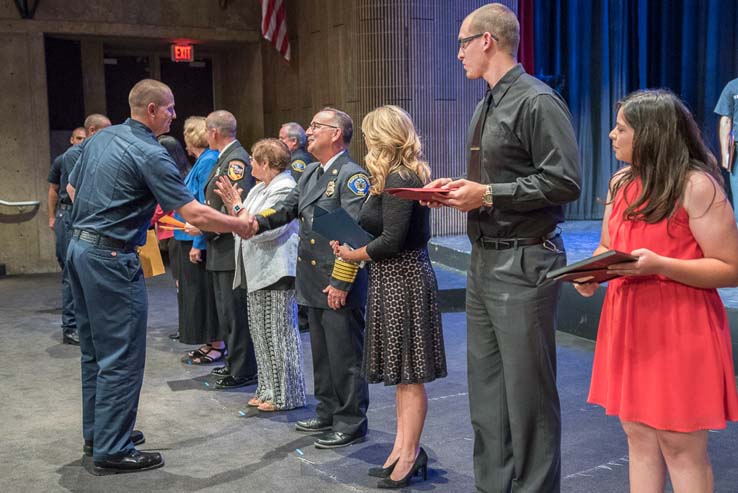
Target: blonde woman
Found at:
x=404, y=340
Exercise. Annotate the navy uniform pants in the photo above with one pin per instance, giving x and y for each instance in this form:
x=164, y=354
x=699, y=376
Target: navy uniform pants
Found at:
x=63, y=234
x=511, y=358
x=337, y=343
x=111, y=308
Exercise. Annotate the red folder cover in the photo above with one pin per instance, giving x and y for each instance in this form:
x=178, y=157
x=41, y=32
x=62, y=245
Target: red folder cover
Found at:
x=417, y=193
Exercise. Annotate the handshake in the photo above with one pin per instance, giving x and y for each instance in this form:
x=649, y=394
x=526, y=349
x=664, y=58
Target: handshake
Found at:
x=231, y=196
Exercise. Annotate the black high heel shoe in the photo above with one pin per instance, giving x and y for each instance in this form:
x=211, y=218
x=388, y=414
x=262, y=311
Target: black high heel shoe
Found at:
x=420, y=466
x=383, y=472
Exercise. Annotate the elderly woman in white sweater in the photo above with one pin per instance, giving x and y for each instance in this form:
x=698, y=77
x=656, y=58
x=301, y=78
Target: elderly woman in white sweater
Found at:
x=268, y=263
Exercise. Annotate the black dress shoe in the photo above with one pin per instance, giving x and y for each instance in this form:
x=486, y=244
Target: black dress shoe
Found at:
x=134, y=461
x=137, y=437
x=231, y=382
x=338, y=439
x=71, y=337
x=313, y=425
x=221, y=371
x=174, y=336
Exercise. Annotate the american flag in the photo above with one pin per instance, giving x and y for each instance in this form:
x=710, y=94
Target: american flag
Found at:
x=274, y=25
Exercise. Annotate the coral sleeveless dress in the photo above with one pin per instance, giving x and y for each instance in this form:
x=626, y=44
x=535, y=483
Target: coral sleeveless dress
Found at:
x=663, y=354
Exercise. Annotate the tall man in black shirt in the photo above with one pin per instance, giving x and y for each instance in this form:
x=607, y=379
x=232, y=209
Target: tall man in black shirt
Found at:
x=523, y=167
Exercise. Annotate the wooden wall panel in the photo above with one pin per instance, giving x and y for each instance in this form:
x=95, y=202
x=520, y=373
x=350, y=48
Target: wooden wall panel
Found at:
x=362, y=54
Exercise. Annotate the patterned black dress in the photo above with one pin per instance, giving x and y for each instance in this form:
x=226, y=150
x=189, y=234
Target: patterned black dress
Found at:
x=404, y=337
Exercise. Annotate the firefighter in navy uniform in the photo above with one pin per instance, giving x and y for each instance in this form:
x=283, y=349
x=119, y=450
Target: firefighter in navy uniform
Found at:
x=333, y=291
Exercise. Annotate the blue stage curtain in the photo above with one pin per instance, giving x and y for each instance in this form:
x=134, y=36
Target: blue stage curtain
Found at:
x=596, y=52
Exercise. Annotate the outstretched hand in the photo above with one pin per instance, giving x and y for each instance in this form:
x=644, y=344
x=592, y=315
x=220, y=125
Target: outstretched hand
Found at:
x=248, y=226
x=465, y=195
x=437, y=183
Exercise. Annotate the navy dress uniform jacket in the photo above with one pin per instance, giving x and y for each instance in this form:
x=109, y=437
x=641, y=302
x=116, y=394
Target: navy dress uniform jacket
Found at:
x=235, y=163
x=300, y=161
x=346, y=185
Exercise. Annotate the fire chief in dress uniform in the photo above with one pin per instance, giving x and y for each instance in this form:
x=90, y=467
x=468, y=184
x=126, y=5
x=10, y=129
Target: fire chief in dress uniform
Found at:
x=334, y=291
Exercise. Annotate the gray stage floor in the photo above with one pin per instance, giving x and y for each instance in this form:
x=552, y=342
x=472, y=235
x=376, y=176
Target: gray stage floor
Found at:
x=212, y=442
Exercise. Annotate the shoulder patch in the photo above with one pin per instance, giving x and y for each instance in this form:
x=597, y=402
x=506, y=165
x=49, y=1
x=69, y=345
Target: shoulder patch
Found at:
x=359, y=184
x=235, y=170
x=299, y=165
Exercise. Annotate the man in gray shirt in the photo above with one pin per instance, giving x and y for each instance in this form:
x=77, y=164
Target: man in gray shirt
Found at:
x=523, y=166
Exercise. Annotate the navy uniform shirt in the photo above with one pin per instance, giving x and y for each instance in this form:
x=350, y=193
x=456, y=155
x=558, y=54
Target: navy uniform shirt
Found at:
x=529, y=155
x=726, y=105
x=122, y=174
x=300, y=160
x=56, y=177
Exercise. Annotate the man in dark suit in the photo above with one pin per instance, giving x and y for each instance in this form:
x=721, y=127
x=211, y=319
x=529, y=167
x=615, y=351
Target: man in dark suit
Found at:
x=295, y=138
x=333, y=290
x=230, y=304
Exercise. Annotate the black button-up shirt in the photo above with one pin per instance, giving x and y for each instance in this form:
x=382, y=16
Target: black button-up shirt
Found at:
x=529, y=155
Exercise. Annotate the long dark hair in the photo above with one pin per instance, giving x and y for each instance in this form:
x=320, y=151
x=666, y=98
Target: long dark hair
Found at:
x=175, y=149
x=667, y=146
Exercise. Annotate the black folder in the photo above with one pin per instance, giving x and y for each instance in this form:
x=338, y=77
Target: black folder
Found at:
x=338, y=225
x=593, y=269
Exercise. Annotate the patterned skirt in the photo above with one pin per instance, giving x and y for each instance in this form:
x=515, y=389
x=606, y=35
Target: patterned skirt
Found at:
x=277, y=347
x=404, y=338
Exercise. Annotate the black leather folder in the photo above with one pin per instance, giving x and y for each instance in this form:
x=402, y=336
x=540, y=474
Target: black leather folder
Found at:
x=593, y=269
x=338, y=225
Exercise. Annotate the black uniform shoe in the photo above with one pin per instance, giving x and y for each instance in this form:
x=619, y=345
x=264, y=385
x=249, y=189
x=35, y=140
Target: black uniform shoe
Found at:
x=313, y=424
x=221, y=371
x=231, y=382
x=134, y=461
x=70, y=336
x=338, y=439
x=174, y=336
x=137, y=437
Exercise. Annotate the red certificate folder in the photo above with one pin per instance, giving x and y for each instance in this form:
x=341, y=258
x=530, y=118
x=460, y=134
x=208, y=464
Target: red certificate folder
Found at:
x=417, y=193
x=593, y=269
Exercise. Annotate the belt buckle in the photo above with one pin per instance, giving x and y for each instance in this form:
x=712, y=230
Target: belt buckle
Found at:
x=504, y=244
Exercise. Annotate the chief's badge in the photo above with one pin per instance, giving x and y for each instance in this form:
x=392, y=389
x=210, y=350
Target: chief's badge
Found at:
x=298, y=165
x=359, y=184
x=331, y=188
x=235, y=170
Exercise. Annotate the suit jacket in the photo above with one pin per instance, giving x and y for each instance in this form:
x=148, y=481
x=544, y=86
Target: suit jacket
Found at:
x=300, y=161
x=235, y=163
x=346, y=185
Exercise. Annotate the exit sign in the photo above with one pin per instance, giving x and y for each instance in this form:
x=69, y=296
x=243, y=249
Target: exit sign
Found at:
x=183, y=53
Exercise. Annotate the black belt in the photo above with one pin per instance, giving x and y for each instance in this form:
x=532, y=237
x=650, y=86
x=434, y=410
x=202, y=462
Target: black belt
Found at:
x=505, y=243
x=101, y=240
x=65, y=207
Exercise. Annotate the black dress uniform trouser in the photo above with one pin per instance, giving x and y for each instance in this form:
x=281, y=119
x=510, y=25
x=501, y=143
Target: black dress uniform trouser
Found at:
x=511, y=357
x=230, y=305
x=337, y=342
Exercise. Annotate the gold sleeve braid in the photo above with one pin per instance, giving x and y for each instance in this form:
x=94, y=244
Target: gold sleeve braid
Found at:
x=267, y=212
x=344, y=271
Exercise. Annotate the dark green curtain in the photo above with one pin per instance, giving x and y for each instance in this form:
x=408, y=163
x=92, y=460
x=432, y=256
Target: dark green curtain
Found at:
x=595, y=52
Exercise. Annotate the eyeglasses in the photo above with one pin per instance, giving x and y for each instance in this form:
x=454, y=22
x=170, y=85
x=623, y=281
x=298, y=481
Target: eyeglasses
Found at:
x=317, y=125
x=464, y=42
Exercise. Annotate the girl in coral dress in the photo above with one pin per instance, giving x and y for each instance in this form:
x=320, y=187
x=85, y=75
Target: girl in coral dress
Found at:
x=663, y=361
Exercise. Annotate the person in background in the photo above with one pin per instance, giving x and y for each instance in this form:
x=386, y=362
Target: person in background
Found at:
x=164, y=235
x=60, y=209
x=663, y=361
x=268, y=263
x=404, y=338
x=727, y=108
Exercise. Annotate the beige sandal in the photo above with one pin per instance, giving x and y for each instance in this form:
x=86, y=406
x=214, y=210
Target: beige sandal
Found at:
x=267, y=406
x=254, y=402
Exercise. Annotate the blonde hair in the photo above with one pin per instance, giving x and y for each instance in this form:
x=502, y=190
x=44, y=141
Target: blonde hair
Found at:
x=393, y=145
x=195, y=132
